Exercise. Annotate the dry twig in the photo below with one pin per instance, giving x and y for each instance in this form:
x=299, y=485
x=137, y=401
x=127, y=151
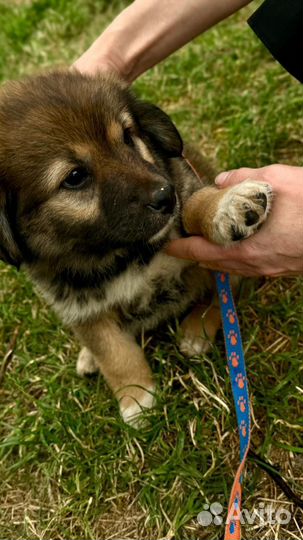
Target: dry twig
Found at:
x=9, y=355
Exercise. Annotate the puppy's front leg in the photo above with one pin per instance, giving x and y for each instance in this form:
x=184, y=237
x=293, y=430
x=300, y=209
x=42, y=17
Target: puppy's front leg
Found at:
x=199, y=329
x=120, y=359
x=226, y=215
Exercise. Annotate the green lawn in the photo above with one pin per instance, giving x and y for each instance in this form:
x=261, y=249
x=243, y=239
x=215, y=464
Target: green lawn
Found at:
x=69, y=468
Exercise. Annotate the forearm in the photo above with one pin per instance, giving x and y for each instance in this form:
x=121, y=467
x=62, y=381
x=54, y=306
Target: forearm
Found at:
x=148, y=31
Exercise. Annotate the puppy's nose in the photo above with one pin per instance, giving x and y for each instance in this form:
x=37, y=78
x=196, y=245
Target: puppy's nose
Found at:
x=163, y=200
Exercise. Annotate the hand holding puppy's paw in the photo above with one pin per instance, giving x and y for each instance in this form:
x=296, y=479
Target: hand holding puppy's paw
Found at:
x=226, y=215
x=241, y=211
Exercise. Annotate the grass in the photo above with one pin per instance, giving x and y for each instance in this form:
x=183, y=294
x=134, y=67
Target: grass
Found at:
x=69, y=468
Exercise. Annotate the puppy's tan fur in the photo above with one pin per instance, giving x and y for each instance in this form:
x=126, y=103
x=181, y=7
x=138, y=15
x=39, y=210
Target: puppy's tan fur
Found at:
x=95, y=250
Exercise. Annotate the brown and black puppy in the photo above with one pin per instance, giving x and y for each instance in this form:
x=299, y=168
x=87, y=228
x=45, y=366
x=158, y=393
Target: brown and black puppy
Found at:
x=92, y=185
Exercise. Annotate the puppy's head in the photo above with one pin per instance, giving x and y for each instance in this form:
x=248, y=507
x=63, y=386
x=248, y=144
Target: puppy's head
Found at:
x=84, y=168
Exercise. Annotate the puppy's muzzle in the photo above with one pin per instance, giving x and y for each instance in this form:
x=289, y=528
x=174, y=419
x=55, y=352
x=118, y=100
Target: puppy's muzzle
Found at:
x=163, y=200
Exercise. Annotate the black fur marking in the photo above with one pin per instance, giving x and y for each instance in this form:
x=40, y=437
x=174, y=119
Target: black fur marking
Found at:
x=158, y=126
x=93, y=375
x=251, y=218
x=4, y=254
x=72, y=280
x=262, y=200
x=236, y=234
x=11, y=209
x=168, y=295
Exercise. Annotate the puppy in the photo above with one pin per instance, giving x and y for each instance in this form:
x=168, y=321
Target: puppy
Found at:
x=92, y=185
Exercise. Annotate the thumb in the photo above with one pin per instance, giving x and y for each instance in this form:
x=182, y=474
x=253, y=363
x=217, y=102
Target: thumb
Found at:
x=197, y=248
x=235, y=176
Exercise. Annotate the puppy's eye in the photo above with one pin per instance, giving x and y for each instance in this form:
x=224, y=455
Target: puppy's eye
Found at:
x=128, y=137
x=76, y=179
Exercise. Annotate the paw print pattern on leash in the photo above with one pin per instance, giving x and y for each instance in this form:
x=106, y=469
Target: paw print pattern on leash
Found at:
x=236, y=501
x=232, y=527
x=224, y=296
x=231, y=316
x=240, y=380
x=243, y=428
x=234, y=359
x=233, y=337
x=242, y=404
x=222, y=277
x=235, y=514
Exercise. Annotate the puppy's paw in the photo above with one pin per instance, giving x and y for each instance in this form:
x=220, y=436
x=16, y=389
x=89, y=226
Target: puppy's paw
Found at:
x=192, y=345
x=133, y=402
x=198, y=330
x=86, y=364
x=241, y=211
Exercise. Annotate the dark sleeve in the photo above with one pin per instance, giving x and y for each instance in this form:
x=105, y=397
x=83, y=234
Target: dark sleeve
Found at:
x=279, y=24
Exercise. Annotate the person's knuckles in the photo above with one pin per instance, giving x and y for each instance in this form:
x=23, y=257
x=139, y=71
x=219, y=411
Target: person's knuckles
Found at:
x=184, y=249
x=235, y=176
x=199, y=249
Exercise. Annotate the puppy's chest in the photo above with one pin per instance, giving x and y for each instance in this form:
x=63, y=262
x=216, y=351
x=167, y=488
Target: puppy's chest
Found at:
x=144, y=296
x=162, y=294
x=138, y=294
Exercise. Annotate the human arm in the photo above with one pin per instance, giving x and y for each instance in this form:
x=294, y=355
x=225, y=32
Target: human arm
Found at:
x=275, y=250
x=148, y=31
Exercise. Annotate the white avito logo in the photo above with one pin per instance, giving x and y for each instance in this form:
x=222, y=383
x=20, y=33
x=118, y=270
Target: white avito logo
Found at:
x=263, y=514
x=210, y=514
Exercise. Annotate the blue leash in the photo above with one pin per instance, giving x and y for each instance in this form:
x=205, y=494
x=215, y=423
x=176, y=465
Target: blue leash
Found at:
x=237, y=372
x=238, y=377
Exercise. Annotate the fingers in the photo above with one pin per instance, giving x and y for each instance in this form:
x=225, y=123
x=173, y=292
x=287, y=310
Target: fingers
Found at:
x=276, y=174
x=235, y=176
x=197, y=248
x=229, y=259
x=241, y=259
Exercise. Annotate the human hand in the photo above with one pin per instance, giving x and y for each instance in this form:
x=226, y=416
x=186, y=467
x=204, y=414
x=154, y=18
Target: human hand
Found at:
x=275, y=250
x=92, y=62
x=148, y=31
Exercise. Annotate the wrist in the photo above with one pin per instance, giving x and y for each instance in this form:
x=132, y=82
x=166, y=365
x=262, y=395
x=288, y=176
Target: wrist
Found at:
x=102, y=56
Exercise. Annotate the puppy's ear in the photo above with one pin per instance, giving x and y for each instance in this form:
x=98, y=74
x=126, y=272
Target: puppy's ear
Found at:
x=159, y=127
x=9, y=251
